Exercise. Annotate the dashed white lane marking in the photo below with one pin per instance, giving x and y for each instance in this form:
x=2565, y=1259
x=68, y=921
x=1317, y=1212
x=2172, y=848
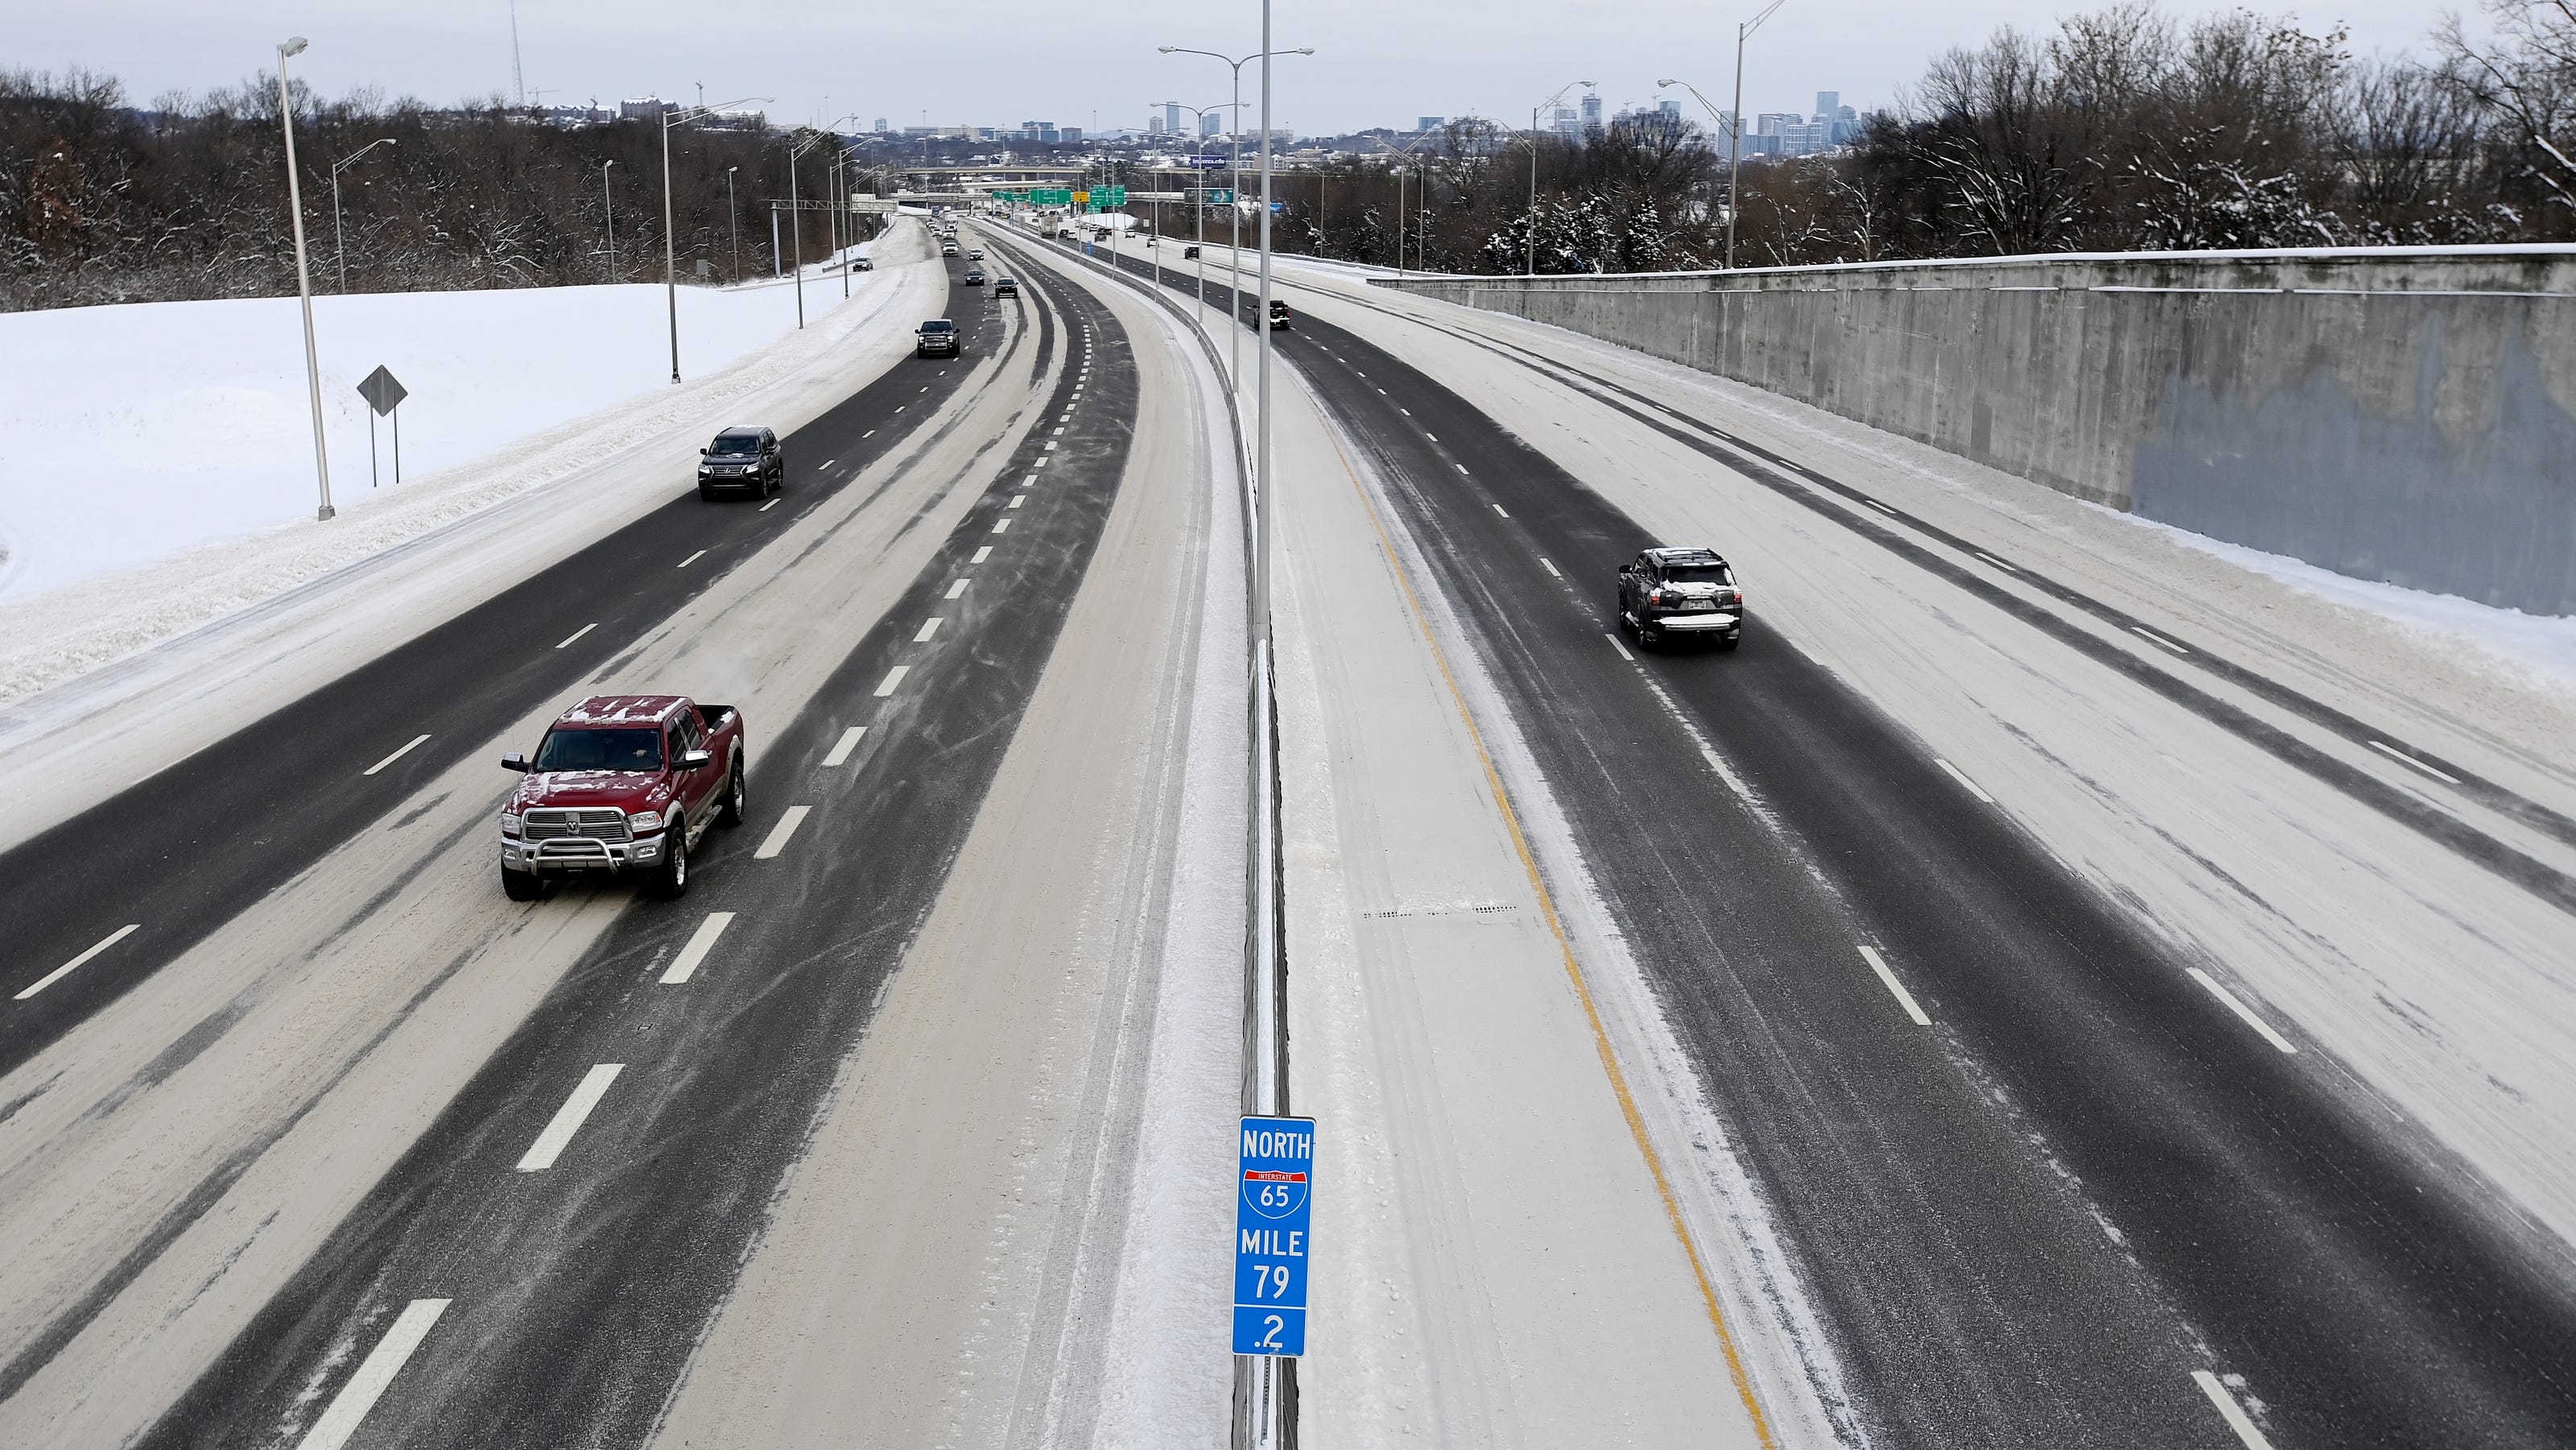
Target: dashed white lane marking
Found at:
x=701, y=942
x=925, y=390
x=65, y=970
x=1051, y=445
x=1039, y=462
x=2230, y=1411
x=1621, y=648
x=842, y=747
x=927, y=630
x=1427, y=433
x=1381, y=392
x=1059, y=433
x=982, y=554
x=1001, y=526
x=773, y=503
x=1018, y=499
x=1498, y=508
x=828, y=462
x=397, y=755
x=374, y=1375
x=1998, y=563
x=956, y=589
x=693, y=558
x=1408, y=412
x=1030, y=481
x=1550, y=568
x=541, y=1154
x=2241, y=1010
x=1969, y=785
x=2151, y=637
x=1904, y=998
x=2393, y=753
x=871, y=433
x=893, y=678
x=1882, y=508
x=1734, y=782
x=776, y=841
x=578, y=633
x=899, y=407
x=1462, y=468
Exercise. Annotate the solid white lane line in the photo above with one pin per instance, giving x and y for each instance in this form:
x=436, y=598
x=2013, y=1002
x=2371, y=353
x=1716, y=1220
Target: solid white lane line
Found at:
x=397, y=755
x=982, y=554
x=701, y=942
x=541, y=1154
x=1551, y=568
x=1621, y=648
x=2393, y=753
x=773, y=503
x=1734, y=782
x=927, y=631
x=578, y=633
x=1498, y=508
x=2241, y=1010
x=1001, y=526
x=374, y=1375
x=65, y=970
x=2230, y=1411
x=842, y=747
x=1904, y=998
x=893, y=678
x=1963, y=780
x=1018, y=499
x=2152, y=637
x=778, y=834
x=693, y=558
x=957, y=588
x=1998, y=563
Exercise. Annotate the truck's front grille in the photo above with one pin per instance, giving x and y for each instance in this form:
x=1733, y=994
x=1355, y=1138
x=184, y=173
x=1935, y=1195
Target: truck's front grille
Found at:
x=560, y=825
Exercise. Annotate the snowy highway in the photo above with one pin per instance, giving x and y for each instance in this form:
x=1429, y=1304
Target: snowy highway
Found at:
x=2050, y=986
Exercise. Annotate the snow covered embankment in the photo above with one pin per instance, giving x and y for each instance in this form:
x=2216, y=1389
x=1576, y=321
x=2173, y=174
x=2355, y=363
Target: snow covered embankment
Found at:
x=156, y=460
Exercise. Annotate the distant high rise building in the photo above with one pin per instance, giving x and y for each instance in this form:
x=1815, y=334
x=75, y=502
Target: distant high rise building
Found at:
x=1591, y=111
x=1565, y=124
x=1670, y=108
x=1153, y=125
x=1211, y=123
x=881, y=125
x=1429, y=123
x=1172, y=117
x=1828, y=104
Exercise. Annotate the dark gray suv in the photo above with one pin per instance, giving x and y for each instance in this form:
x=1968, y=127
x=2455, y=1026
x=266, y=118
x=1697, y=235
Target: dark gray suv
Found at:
x=746, y=460
x=935, y=338
x=1668, y=592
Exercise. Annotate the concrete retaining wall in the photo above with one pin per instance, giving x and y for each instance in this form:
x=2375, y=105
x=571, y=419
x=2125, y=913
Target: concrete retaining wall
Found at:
x=2406, y=414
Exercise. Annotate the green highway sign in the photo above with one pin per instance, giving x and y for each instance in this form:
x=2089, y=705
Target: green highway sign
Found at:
x=1212, y=195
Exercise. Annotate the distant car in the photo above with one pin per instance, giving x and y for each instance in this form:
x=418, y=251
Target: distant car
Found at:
x=974, y=276
x=1005, y=287
x=862, y=264
x=975, y=254
x=1279, y=315
x=1681, y=591
x=948, y=249
x=742, y=459
x=1189, y=254
x=935, y=338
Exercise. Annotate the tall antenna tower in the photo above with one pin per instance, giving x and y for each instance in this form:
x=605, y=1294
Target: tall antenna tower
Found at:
x=518, y=81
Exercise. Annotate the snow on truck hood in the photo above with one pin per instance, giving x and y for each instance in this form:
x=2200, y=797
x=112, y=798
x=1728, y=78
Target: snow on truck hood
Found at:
x=586, y=787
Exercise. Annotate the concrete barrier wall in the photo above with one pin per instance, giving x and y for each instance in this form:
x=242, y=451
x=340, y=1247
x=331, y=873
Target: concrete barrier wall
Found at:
x=2406, y=414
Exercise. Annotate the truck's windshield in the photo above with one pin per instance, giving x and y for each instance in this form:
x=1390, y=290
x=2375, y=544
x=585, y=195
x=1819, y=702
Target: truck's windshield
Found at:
x=600, y=750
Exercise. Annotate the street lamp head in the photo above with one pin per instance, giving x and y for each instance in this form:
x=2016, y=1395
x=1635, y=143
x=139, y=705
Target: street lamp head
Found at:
x=1310, y=50
x=294, y=46
x=1167, y=49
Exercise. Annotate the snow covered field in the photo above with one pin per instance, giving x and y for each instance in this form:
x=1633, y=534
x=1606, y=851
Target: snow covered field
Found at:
x=131, y=433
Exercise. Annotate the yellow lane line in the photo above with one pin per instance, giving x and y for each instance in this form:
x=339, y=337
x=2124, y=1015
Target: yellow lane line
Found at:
x=1573, y=970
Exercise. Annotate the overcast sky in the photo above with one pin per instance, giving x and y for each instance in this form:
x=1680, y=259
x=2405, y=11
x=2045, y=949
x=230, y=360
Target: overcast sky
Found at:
x=1076, y=64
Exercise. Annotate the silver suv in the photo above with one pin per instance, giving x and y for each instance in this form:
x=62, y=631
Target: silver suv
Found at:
x=1666, y=592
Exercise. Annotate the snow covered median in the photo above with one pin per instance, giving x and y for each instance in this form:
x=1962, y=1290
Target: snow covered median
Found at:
x=156, y=460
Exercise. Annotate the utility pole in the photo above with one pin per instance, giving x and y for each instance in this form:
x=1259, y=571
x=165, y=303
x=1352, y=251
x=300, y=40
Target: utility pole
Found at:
x=303, y=276
x=733, y=218
x=609, y=200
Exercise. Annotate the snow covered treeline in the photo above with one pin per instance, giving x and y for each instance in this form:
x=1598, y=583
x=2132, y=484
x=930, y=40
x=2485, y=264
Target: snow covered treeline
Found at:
x=104, y=201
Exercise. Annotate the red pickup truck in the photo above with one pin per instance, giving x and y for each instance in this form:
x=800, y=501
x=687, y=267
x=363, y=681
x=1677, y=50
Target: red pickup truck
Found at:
x=622, y=783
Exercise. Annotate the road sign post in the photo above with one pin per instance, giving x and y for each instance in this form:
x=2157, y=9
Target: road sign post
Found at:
x=383, y=395
x=1274, y=1207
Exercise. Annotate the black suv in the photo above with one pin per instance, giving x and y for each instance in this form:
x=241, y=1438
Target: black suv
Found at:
x=935, y=338
x=1664, y=592
x=742, y=458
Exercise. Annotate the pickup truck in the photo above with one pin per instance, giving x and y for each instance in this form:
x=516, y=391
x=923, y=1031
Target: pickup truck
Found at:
x=937, y=337
x=621, y=784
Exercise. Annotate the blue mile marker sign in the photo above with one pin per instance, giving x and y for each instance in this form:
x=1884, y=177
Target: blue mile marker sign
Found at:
x=1274, y=1207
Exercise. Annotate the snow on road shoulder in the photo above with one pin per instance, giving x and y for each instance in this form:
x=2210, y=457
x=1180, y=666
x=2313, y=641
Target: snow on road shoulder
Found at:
x=208, y=511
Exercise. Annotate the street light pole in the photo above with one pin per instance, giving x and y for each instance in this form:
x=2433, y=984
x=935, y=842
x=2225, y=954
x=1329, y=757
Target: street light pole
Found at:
x=1735, y=127
x=609, y=200
x=339, y=247
x=303, y=275
x=670, y=245
x=1531, y=232
x=1198, y=208
x=733, y=217
x=1234, y=145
